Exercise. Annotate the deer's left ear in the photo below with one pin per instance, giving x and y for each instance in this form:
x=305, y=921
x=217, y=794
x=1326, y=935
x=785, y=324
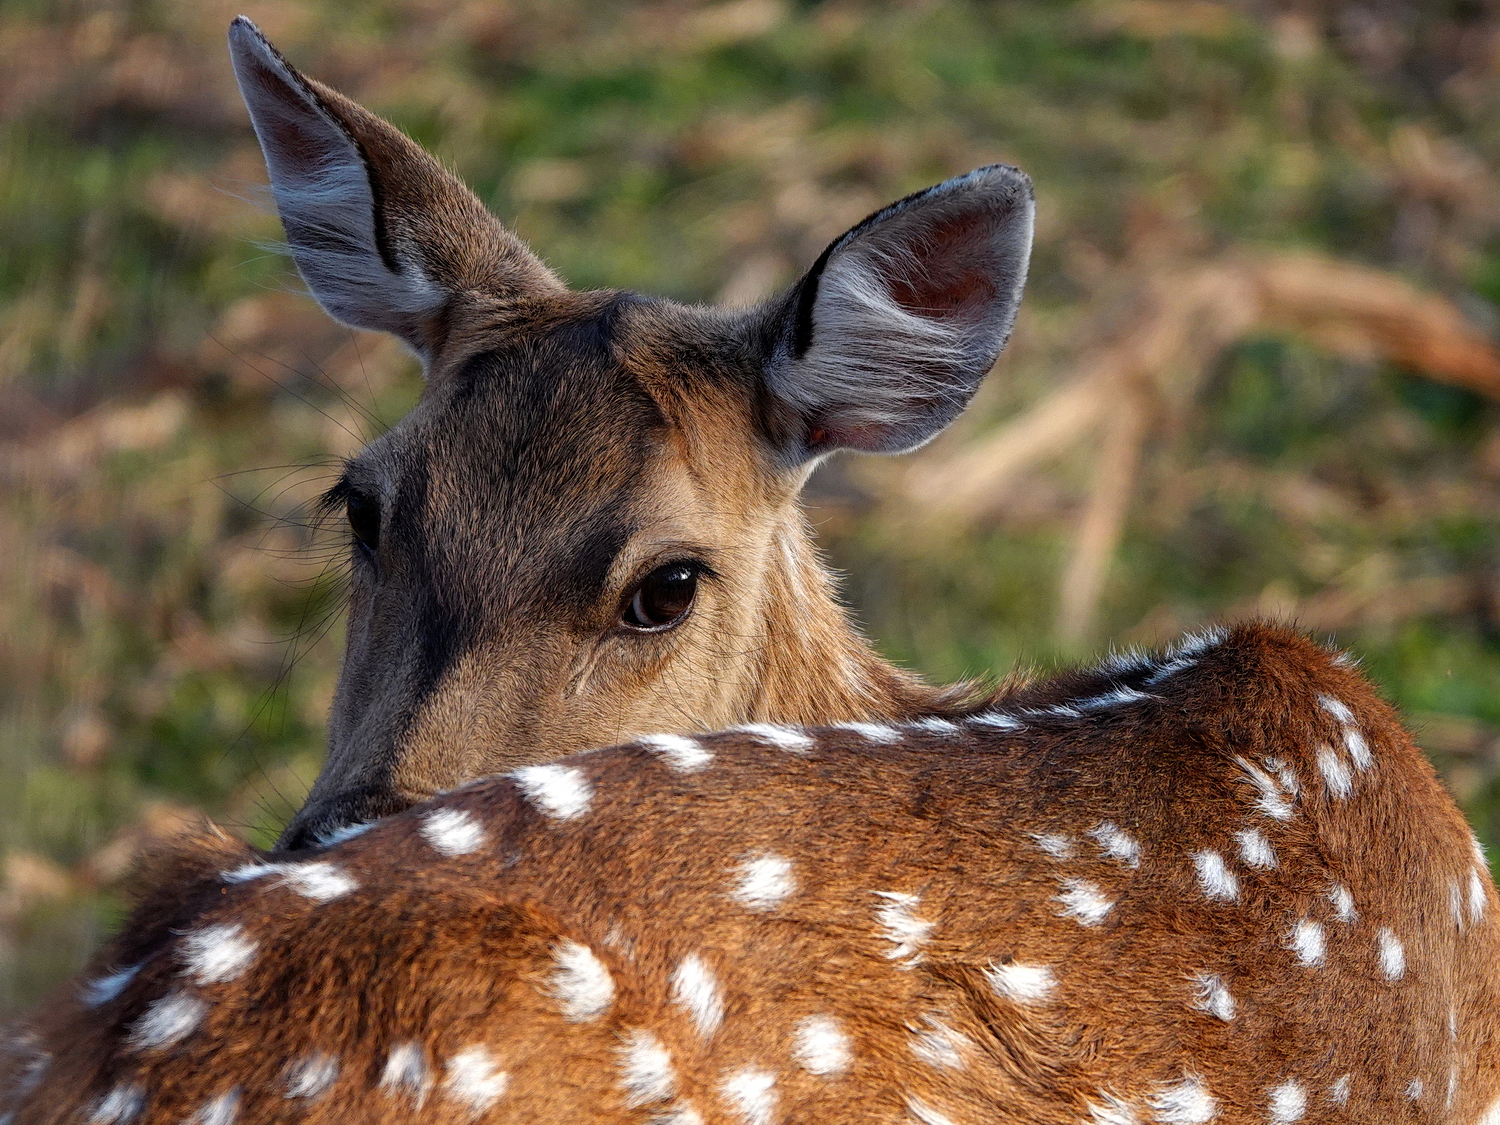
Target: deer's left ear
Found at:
x=885, y=340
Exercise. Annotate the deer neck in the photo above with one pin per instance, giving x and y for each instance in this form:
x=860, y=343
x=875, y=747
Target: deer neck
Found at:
x=815, y=665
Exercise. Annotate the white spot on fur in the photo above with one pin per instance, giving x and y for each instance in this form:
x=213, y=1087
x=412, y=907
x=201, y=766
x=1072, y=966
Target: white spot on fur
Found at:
x=1115, y=842
x=1114, y=1111
x=1212, y=995
x=1414, y=1089
x=1491, y=1116
x=102, y=990
x=1478, y=900
x=581, y=983
x=1358, y=749
x=1020, y=982
x=1269, y=799
x=1255, y=849
x=752, y=1094
x=1218, y=882
x=1115, y=698
x=1337, y=776
x=561, y=792
x=1055, y=844
x=120, y=1106
x=406, y=1072
x=1343, y=903
x=695, y=989
x=681, y=754
x=783, y=738
x=1285, y=775
x=310, y=1075
x=1187, y=1102
x=647, y=1069
x=336, y=836
x=1171, y=668
x=902, y=927
x=1392, y=955
x=822, y=1047
x=934, y=725
x=169, y=1020
x=873, y=732
x=474, y=1079
x=924, y=1114
x=1127, y=661
x=764, y=882
x=1058, y=711
x=1339, y=1091
x=1288, y=1103
x=1337, y=708
x=1195, y=644
x=217, y=953
x=1084, y=901
x=938, y=1045
x=1307, y=942
x=319, y=880
x=997, y=720
x=452, y=832
x=220, y=1111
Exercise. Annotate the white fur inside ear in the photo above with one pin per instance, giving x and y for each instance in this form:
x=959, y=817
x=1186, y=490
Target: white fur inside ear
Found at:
x=323, y=193
x=883, y=373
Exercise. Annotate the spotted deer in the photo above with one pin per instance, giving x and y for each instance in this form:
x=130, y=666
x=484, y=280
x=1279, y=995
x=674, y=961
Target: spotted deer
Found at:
x=1216, y=884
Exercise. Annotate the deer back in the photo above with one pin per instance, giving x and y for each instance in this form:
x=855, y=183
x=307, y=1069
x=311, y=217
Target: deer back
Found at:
x=1216, y=885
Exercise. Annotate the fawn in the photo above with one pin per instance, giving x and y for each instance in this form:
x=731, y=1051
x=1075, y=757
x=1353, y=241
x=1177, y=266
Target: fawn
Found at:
x=1218, y=884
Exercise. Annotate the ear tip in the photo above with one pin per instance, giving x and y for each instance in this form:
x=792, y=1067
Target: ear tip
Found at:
x=1005, y=178
x=243, y=32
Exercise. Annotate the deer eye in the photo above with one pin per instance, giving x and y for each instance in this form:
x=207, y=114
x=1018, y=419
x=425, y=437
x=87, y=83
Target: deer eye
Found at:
x=364, y=520
x=663, y=598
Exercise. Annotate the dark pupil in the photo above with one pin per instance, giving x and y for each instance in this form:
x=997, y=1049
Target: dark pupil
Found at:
x=665, y=595
x=364, y=520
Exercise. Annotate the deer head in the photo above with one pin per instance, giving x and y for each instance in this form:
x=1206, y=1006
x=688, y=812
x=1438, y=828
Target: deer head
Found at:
x=589, y=526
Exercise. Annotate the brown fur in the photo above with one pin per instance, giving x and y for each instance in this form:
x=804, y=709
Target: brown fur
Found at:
x=453, y=952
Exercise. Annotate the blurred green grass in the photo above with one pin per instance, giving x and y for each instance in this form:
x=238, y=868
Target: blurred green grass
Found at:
x=170, y=405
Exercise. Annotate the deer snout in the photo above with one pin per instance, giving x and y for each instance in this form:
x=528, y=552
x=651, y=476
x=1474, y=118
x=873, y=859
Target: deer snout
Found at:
x=325, y=820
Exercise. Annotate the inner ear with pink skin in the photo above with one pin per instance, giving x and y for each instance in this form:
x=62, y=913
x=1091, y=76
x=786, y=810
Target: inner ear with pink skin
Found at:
x=885, y=340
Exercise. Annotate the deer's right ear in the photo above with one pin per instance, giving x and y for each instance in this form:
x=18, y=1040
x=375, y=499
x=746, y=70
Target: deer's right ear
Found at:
x=383, y=235
x=885, y=340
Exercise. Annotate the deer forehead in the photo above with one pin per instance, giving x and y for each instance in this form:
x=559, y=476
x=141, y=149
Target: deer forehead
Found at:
x=573, y=450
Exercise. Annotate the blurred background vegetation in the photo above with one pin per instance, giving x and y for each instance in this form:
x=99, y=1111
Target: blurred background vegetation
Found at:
x=1255, y=372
